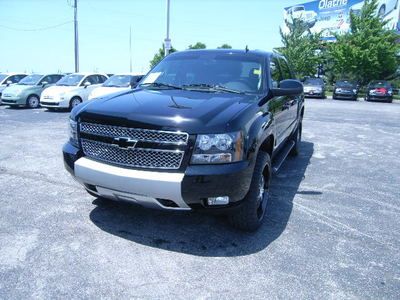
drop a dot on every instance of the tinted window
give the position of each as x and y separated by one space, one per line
92 79
345 83
47 79
378 84
276 75
102 78
286 73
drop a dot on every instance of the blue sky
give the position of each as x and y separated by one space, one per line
104 30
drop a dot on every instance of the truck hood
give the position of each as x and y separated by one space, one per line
192 112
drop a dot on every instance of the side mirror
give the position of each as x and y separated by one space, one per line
288 87
9 82
44 83
86 84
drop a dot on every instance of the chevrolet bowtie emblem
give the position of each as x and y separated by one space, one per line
124 142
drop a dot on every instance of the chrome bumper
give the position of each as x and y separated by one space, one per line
141 187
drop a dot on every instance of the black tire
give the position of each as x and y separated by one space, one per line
250 215
296 137
74 102
33 101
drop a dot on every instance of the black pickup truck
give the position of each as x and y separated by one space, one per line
203 130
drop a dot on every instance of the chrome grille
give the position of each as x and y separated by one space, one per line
143 135
137 157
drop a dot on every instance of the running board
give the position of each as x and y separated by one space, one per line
280 158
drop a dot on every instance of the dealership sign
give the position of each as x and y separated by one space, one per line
333 16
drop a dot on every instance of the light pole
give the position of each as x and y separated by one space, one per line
167 41
76 36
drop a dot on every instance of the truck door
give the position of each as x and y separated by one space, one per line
292 104
279 106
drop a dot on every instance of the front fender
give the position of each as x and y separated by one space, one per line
261 129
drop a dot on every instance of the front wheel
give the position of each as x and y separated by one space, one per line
250 215
33 101
74 102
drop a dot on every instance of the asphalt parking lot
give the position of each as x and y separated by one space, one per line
332 230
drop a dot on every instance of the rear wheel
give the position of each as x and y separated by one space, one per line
33 101
250 215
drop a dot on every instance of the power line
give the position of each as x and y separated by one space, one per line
36 29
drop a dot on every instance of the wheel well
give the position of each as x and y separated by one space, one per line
268 145
32 95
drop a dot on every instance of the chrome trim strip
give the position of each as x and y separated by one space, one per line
186 135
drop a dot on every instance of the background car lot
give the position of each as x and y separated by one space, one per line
331 229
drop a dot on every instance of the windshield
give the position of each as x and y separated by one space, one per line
208 71
345 84
70 80
298 8
2 77
379 84
314 81
30 80
118 81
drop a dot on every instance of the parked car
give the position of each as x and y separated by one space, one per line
72 90
345 89
7 79
28 90
379 90
299 12
314 87
205 129
116 83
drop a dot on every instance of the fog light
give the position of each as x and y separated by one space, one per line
218 201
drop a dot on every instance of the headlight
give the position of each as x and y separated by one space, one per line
73 132
218 148
390 92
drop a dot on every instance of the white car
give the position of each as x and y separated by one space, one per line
7 79
385 7
116 83
71 90
299 12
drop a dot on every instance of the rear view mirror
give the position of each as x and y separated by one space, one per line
9 82
86 84
288 87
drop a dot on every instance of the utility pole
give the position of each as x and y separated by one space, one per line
167 41
130 49
76 36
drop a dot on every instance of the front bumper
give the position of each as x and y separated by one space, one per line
174 191
314 94
345 95
13 100
383 98
50 103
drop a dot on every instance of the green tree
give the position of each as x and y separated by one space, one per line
225 46
301 48
159 56
198 45
368 51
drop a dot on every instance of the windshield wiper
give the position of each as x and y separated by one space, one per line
211 88
160 85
